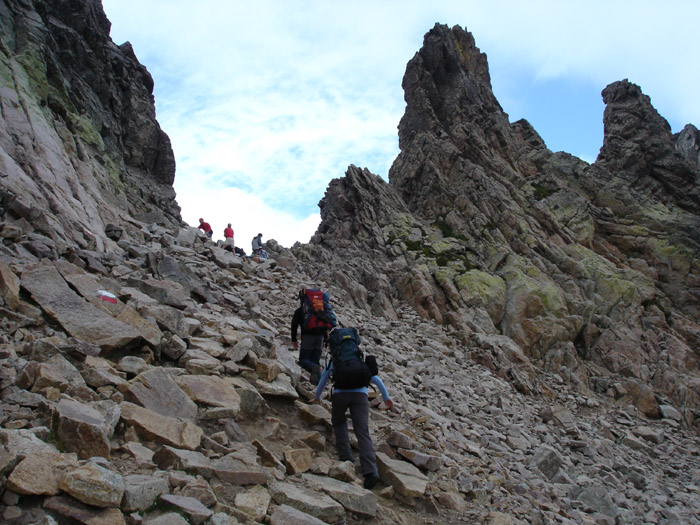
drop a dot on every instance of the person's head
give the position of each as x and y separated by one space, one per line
201 220
260 235
229 224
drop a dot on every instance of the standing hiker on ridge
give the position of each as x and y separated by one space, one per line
351 375
315 316
258 250
257 244
228 239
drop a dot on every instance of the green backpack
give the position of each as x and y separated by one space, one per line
349 367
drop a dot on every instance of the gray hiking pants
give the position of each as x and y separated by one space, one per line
358 403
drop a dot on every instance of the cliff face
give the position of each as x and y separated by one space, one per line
589 269
80 146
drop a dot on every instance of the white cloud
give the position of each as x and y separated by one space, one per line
599 41
275 98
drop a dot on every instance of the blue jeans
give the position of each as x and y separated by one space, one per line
310 351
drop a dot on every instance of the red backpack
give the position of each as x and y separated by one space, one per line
314 304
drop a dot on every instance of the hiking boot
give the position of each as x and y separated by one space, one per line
370 481
315 375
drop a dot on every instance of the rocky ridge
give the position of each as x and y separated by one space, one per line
533 316
590 270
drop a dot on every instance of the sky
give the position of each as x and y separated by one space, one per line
266 102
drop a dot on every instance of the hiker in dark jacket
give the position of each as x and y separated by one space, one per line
257 244
311 343
357 400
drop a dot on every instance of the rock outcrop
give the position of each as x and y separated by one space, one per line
534 317
80 147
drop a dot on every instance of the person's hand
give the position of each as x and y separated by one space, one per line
389 404
296 345
315 402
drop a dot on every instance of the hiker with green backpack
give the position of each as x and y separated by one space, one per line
351 374
316 318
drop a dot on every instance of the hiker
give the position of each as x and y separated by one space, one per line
206 228
357 400
315 316
257 244
228 239
258 250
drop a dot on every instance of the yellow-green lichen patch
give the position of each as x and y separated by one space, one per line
443 246
86 130
402 224
613 285
526 279
403 229
113 173
484 290
571 210
33 64
679 257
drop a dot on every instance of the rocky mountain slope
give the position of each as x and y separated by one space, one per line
534 316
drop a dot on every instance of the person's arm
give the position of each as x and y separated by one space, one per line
382 389
322 383
296 321
329 309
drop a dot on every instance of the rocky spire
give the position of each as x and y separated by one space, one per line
638 146
453 125
688 145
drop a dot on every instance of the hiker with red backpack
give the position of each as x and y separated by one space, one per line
315 316
352 374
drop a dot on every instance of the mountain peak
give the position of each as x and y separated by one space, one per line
446 84
638 145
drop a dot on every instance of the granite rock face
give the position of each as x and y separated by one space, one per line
80 147
534 317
